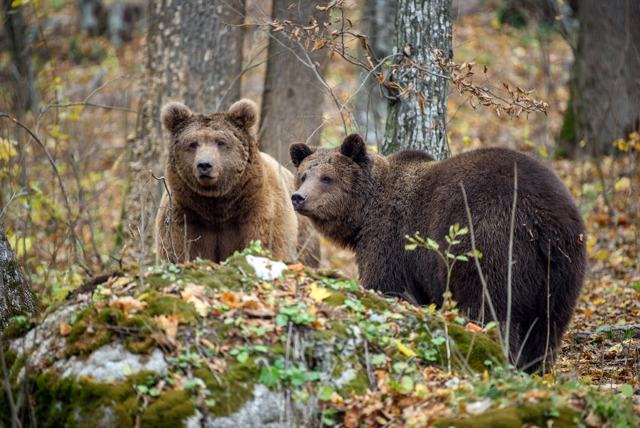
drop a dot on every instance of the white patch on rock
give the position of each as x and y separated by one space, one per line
265 409
266 269
44 342
113 362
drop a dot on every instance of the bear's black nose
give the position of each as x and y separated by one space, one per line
298 199
204 167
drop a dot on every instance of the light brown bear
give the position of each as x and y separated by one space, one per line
224 192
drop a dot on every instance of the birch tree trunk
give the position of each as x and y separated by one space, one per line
417 118
371 105
293 98
16 296
194 55
605 88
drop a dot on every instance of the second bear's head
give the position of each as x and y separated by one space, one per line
330 182
210 152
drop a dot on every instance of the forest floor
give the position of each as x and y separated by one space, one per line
602 346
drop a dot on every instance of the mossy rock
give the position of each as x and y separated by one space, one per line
515 417
303 340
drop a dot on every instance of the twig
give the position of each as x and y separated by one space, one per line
483 281
510 259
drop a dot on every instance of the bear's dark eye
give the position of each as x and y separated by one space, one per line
304 177
193 145
326 179
221 143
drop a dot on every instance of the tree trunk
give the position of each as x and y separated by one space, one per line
371 105
26 96
293 98
194 55
604 83
417 118
16 296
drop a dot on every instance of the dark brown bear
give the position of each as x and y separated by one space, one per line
225 192
369 203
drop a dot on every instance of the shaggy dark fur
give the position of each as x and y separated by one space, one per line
368 203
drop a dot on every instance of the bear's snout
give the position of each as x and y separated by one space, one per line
204 167
298 199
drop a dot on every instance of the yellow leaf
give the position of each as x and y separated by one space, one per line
404 349
7 149
623 184
318 293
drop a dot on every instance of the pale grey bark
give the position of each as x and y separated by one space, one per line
293 98
194 55
371 104
417 118
16 296
605 82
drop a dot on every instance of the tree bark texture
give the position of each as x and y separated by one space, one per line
18 38
605 84
16 296
293 98
371 104
417 118
193 55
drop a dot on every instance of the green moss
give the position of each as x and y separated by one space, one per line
162 304
482 348
358 385
17 326
335 298
111 316
170 410
232 389
373 301
516 417
224 278
68 402
87 333
156 281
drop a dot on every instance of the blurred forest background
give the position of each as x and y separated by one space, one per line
82 82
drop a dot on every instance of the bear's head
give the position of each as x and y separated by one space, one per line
210 152
331 183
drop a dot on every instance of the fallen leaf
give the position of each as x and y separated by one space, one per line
404 349
318 293
127 304
473 327
230 299
65 328
169 325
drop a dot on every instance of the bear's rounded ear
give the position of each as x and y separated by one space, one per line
298 153
243 113
354 147
173 114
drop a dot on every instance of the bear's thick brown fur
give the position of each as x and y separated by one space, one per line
369 203
224 192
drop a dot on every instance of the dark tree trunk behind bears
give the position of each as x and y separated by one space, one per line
293 96
193 54
371 105
605 88
17 36
16 296
417 119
